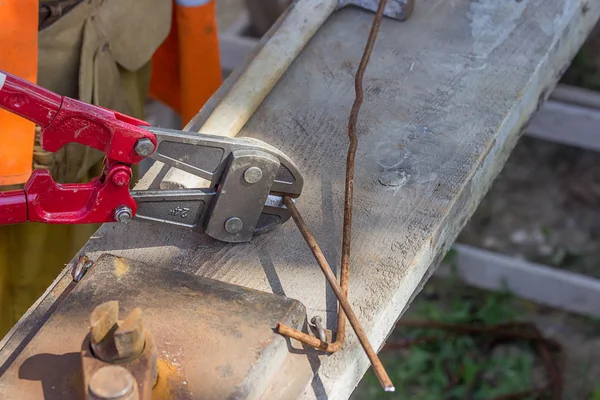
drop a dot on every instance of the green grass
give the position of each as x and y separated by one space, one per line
425 370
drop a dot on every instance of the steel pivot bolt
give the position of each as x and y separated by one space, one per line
123 214
120 178
113 383
234 225
252 175
144 147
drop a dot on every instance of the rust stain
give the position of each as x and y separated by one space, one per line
56 291
170 383
121 268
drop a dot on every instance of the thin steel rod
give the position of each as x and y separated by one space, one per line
349 189
303 337
332 280
341 290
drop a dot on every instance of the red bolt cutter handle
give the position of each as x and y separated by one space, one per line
13 207
44 200
64 120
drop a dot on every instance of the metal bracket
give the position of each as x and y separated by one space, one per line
242 195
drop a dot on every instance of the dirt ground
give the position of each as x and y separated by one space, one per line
444 300
543 207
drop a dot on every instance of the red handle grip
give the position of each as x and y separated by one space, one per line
28 100
64 120
13 207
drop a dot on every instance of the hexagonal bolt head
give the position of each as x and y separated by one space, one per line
144 147
114 340
113 383
123 214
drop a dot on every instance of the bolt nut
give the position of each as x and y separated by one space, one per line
123 214
129 336
113 383
253 175
234 225
120 178
144 147
114 340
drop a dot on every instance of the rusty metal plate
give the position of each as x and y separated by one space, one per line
215 340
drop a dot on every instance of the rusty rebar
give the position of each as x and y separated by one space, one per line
349 188
345 305
341 290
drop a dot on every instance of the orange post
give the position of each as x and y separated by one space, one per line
186 69
19 56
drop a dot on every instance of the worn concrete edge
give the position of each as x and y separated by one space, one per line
547 75
213 102
542 284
